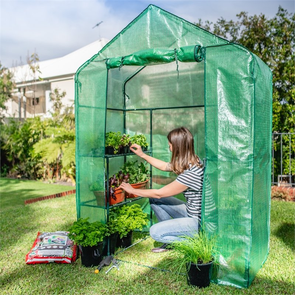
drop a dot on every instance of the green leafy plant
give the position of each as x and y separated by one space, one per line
117 140
86 233
96 186
125 140
139 139
137 172
126 218
113 139
198 249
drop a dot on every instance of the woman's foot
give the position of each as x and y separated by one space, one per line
163 248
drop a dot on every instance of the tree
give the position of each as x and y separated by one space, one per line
273 40
6 87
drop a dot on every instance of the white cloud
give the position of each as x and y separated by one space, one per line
57 27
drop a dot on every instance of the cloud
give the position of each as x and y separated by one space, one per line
54 28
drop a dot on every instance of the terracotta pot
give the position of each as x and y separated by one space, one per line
119 196
137 186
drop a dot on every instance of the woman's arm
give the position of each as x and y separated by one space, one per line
168 190
159 164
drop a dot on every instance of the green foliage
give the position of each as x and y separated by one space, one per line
138 172
96 186
118 140
125 140
273 40
126 218
6 87
139 139
113 139
199 249
17 141
86 233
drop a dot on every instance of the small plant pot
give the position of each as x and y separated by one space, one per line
112 240
199 275
118 197
91 256
137 186
100 198
109 150
125 241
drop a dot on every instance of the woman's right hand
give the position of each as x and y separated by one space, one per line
136 149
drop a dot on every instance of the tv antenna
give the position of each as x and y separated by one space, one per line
97 25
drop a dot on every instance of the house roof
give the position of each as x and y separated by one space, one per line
61 66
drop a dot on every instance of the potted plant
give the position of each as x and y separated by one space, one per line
124 220
89 236
125 143
138 175
112 142
197 253
141 140
116 194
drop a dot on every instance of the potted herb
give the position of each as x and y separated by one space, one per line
125 143
138 175
124 220
113 142
89 236
197 253
141 140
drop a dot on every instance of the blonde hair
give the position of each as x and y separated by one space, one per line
183 152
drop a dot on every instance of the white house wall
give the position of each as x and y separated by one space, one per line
56 73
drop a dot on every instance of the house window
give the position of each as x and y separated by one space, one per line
35 101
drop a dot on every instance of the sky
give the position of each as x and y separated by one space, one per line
54 28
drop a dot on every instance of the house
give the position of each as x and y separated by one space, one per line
32 94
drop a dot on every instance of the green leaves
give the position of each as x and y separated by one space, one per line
86 233
126 218
197 249
273 40
138 172
6 87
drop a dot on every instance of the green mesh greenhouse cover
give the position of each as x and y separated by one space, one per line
162 72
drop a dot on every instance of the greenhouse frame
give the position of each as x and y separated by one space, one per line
162 72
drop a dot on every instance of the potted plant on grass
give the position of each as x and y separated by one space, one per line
124 220
89 236
197 253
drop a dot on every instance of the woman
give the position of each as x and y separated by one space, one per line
176 218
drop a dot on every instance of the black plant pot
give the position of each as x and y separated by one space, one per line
112 240
91 256
125 241
109 150
199 275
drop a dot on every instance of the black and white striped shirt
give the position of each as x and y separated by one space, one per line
193 179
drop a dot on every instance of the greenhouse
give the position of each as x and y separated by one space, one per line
162 72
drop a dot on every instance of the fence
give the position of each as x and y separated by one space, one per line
283 159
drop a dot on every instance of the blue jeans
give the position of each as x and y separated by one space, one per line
173 220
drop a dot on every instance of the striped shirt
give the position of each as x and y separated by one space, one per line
193 179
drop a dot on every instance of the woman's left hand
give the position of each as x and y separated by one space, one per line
126 187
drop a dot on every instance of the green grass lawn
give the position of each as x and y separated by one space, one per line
20 224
